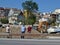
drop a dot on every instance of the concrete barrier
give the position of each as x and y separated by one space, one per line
32 36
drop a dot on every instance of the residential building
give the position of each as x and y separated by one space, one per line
2 12
57 13
6 10
13 15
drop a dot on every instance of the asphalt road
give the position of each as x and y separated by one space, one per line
29 42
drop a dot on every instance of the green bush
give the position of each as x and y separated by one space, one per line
51 21
4 20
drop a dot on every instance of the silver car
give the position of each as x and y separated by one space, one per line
53 30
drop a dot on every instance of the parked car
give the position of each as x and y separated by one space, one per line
3 25
16 23
53 30
0 24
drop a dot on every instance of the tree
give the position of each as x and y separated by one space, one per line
31 19
30 6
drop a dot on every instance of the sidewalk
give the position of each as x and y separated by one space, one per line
53 37
30 39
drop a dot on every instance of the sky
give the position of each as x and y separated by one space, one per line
44 5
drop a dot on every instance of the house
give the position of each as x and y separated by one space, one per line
57 13
13 15
4 12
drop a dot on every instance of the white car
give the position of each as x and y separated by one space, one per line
53 30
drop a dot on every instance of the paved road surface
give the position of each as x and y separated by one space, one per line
29 42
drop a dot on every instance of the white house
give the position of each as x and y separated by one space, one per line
13 15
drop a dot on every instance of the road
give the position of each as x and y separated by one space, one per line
29 42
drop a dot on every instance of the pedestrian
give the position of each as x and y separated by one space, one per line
29 29
23 29
8 30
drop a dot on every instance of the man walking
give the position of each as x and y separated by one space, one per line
23 29
29 29
8 31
